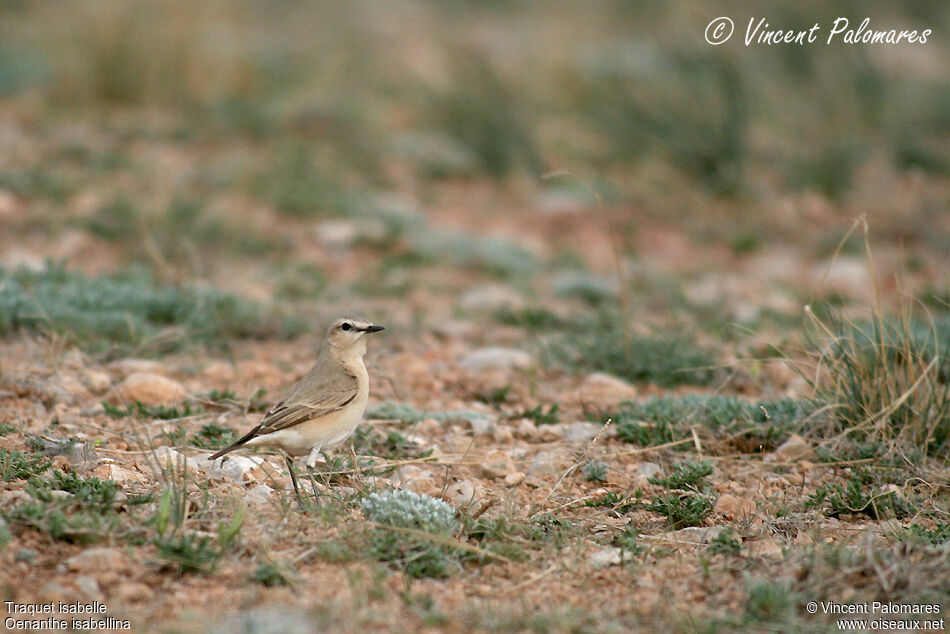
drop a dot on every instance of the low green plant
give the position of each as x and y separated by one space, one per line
495 396
540 416
550 529
296 185
687 475
629 541
725 543
858 496
391 444
492 255
224 397
682 510
611 498
500 535
651 113
56 519
188 552
480 112
87 513
412 532
93 493
936 536
602 345
128 309
595 471
272 574
211 436
885 381
531 318
15 465
667 419
143 411
180 547
768 601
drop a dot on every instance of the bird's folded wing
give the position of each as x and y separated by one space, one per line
318 400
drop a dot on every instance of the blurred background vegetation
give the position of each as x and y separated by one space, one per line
298 150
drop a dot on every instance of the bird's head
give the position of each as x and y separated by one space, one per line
348 334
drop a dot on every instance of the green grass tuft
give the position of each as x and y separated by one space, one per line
128 308
143 411
887 381
667 359
858 497
751 425
481 113
15 465
272 574
686 475
682 510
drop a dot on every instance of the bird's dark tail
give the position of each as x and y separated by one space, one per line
236 444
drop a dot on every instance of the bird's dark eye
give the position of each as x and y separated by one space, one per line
346 326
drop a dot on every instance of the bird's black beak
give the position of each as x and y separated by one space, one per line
373 329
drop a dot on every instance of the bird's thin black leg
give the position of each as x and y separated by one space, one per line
293 478
313 483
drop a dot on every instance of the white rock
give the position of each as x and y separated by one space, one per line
482 425
735 507
219 371
460 493
848 274
648 469
415 479
54 592
259 494
10 205
697 534
149 389
560 200
18 257
88 585
496 359
125 367
604 391
100 559
337 233
120 475
497 464
96 381
490 298
168 457
514 478
580 431
795 448
605 558
584 285
763 548
132 592
74 386
544 464
233 466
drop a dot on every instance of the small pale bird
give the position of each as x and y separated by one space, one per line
325 406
